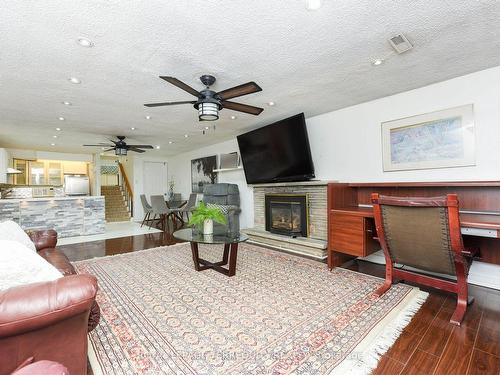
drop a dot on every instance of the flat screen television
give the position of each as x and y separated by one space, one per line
278 152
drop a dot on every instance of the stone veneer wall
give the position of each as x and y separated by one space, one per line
75 216
317 199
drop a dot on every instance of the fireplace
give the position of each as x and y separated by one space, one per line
287 214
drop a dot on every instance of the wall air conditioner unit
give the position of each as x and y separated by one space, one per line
400 43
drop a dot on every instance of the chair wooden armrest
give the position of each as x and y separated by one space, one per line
470 252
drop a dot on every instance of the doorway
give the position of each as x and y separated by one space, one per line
155 178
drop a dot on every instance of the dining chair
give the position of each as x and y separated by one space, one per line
147 208
188 207
424 233
160 208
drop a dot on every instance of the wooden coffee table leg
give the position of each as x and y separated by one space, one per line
225 257
196 257
232 259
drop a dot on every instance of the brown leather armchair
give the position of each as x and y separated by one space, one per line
48 320
45 243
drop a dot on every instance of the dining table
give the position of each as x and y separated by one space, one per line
176 205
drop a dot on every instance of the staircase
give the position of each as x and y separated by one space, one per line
115 204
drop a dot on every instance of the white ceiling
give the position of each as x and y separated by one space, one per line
310 61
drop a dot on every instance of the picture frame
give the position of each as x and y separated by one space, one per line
202 173
441 139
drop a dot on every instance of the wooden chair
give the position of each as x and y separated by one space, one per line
424 233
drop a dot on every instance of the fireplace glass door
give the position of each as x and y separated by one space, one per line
286 214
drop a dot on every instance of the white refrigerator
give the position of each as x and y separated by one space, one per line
76 185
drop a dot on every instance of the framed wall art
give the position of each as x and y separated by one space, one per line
439 139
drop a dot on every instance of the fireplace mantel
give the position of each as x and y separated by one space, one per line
284 184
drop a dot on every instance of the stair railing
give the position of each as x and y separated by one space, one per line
124 183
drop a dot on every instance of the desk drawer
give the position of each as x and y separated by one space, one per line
347 234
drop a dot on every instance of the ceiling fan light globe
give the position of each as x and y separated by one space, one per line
120 151
208 111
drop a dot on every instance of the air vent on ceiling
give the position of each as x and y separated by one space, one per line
400 43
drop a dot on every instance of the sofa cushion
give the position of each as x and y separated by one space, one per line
19 265
10 230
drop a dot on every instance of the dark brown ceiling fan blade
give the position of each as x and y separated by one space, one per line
242 107
181 85
240 90
100 145
136 150
168 103
140 146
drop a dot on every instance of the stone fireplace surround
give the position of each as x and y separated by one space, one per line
315 244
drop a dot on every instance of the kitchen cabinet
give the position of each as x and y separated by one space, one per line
21 178
46 172
54 173
75 167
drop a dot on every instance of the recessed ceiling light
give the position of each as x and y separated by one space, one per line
58 129
313 4
186 135
206 128
132 128
170 142
66 103
233 117
52 144
270 103
74 80
148 117
157 147
84 42
61 118
377 62
54 136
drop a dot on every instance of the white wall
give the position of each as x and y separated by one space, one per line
4 164
180 172
49 155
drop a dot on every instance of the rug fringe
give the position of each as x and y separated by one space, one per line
371 355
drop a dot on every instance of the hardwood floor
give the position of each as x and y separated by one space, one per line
428 345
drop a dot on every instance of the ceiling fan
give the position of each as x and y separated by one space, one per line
209 102
121 147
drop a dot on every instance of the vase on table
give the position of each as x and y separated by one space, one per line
208 226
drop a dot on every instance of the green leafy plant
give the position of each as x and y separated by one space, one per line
202 213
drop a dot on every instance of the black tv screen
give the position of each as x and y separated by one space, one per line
277 152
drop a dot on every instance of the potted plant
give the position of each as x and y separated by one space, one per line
205 216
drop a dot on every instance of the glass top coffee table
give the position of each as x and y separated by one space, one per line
230 243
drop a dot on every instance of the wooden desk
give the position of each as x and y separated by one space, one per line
351 227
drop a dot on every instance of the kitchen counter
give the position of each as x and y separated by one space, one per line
69 216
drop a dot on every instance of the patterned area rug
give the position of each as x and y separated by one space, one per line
280 314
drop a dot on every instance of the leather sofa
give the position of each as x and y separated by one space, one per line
48 320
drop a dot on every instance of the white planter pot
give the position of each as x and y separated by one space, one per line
208 227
